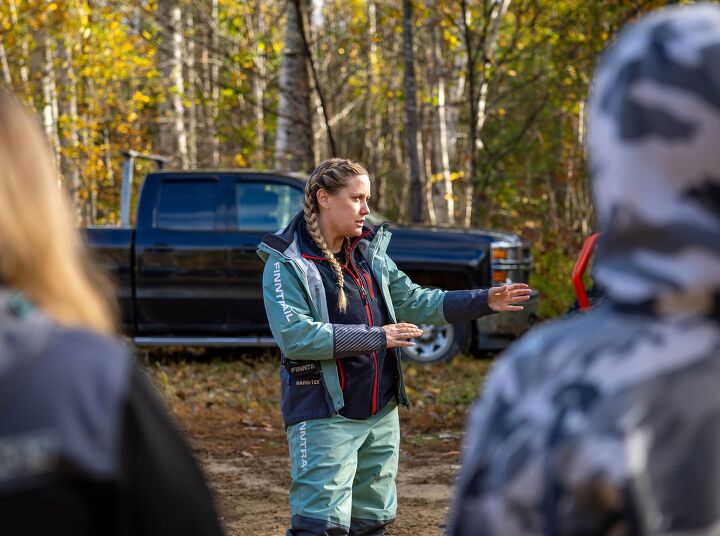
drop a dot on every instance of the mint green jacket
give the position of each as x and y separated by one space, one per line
297 311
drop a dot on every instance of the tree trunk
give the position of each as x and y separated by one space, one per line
7 77
471 154
374 142
179 93
89 208
308 32
172 136
50 103
215 85
441 118
166 137
417 210
426 168
259 85
192 90
293 143
24 59
74 164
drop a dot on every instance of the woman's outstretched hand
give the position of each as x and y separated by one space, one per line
504 298
398 334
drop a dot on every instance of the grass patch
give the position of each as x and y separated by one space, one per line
441 394
245 388
219 392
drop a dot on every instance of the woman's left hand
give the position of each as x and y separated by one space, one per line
504 298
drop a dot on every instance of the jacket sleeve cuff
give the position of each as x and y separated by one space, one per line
462 305
357 339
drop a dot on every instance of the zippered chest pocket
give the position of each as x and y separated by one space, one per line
368 280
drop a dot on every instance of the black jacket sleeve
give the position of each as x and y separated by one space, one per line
462 305
164 490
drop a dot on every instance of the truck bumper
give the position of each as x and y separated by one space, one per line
495 332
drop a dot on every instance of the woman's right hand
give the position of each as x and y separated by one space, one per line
398 334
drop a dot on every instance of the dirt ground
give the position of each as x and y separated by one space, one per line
251 482
229 409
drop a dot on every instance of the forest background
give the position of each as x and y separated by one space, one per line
466 112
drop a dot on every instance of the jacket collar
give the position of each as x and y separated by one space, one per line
24 329
294 241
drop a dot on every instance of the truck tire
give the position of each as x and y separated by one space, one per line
439 343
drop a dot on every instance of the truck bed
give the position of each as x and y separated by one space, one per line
113 249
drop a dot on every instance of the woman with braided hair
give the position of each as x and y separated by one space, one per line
333 299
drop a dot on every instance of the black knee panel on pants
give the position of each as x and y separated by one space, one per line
368 527
307 526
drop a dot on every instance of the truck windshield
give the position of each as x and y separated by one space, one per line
262 206
265 206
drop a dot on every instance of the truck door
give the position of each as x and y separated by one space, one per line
260 205
182 258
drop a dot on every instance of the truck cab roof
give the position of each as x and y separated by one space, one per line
180 173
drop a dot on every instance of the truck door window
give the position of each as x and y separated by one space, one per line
187 205
265 206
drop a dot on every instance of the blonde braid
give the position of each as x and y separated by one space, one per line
346 247
310 209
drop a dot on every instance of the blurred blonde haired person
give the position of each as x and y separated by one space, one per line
42 254
85 446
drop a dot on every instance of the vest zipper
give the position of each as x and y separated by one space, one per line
338 362
363 294
368 312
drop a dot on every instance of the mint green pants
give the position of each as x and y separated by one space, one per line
343 474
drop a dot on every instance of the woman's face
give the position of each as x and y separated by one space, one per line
344 212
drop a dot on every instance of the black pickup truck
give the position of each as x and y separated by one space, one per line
188 274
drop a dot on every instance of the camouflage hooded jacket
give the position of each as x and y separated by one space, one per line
609 422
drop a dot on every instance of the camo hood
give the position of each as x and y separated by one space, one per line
654 150
608 422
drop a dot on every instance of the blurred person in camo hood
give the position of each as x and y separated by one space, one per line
609 422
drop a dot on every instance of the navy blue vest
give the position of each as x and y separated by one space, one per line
368 381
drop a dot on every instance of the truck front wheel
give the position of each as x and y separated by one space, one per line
439 343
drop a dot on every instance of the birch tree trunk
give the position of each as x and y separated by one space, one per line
426 167
50 103
74 141
24 59
109 174
7 77
192 90
294 140
172 136
89 209
179 93
441 118
578 207
417 211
